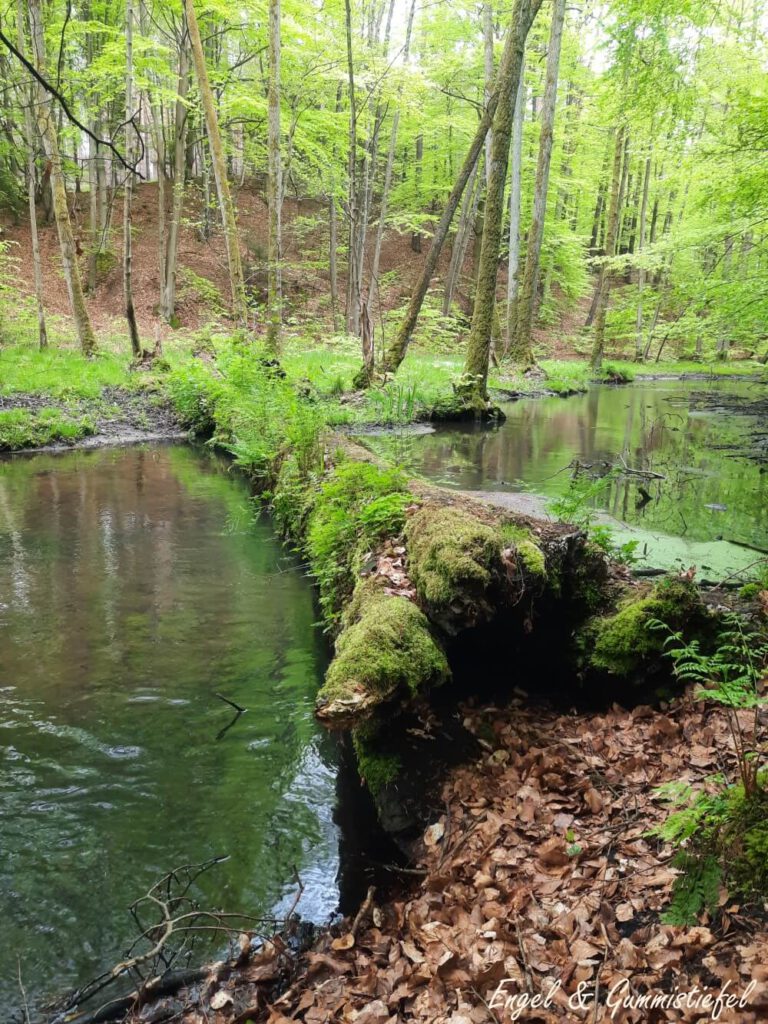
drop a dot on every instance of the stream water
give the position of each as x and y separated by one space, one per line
703 502
136 584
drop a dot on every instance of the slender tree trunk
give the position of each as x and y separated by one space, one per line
641 268
508 78
416 235
47 127
488 69
603 288
274 187
29 142
390 165
515 205
469 206
521 349
228 217
474 388
130 130
353 275
333 244
181 120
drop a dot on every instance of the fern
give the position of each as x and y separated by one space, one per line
696 889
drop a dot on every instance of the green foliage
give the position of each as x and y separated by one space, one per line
24 428
354 508
721 831
58 372
695 890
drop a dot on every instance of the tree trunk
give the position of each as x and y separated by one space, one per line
474 388
29 142
416 235
47 128
227 207
353 273
390 165
508 78
274 187
515 203
603 288
641 268
467 217
488 69
130 130
521 349
181 120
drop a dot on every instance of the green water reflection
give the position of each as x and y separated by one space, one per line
134 584
663 426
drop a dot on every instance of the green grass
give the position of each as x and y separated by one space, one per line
22 428
59 372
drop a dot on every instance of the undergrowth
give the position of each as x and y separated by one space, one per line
720 831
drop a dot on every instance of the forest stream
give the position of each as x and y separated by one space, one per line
693 446
135 586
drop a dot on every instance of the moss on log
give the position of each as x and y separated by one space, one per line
386 647
620 643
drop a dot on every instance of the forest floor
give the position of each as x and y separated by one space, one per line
538 879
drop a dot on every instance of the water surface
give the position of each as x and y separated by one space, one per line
703 492
134 585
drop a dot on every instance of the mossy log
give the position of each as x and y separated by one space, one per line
386 647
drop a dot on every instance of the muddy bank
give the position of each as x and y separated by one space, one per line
120 416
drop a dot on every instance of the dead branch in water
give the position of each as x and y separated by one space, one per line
168 920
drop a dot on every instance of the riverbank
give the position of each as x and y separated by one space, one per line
536 879
423 589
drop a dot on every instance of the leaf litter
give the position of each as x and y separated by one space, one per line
539 875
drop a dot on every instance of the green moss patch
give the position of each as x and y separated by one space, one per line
620 643
389 648
25 428
455 564
377 767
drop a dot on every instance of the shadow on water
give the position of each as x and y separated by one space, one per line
135 585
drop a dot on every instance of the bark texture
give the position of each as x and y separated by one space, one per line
47 128
228 218
473 390
509 70
521 349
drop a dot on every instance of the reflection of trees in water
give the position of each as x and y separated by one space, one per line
649 426
140 603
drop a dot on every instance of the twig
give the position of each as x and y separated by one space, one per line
231 703
23 991
363 911
523 957
64 105
299 893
